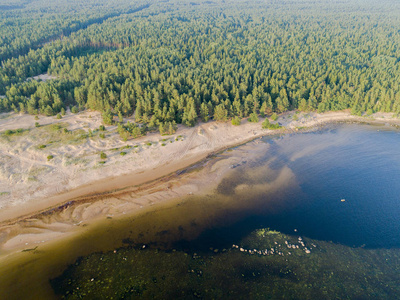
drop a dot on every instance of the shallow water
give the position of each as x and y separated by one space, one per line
295 188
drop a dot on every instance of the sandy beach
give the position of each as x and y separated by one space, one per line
76 187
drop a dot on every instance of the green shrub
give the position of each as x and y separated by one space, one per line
123 153
107 117
236 121
103 155
267 125
274 117
253 118
50 157
55 127
37 124
11 132
42 146
356 111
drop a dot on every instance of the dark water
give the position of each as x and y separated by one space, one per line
295 189
360 164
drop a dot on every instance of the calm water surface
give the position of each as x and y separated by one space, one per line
359 164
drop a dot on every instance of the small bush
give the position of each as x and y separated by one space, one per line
267 125
148 144
50 157
274 117
103 155
356 111
59 116
11 132
236 121
123 153
37 124
74 110
42 146
102 135
253 118
102 128
163 144
55 127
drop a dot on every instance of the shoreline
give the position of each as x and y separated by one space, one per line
83 214
107 188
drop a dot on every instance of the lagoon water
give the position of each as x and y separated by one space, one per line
316 216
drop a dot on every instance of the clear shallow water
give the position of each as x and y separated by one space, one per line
297 184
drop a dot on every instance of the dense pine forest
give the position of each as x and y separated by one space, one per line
180 62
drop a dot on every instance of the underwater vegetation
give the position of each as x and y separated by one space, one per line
265 264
